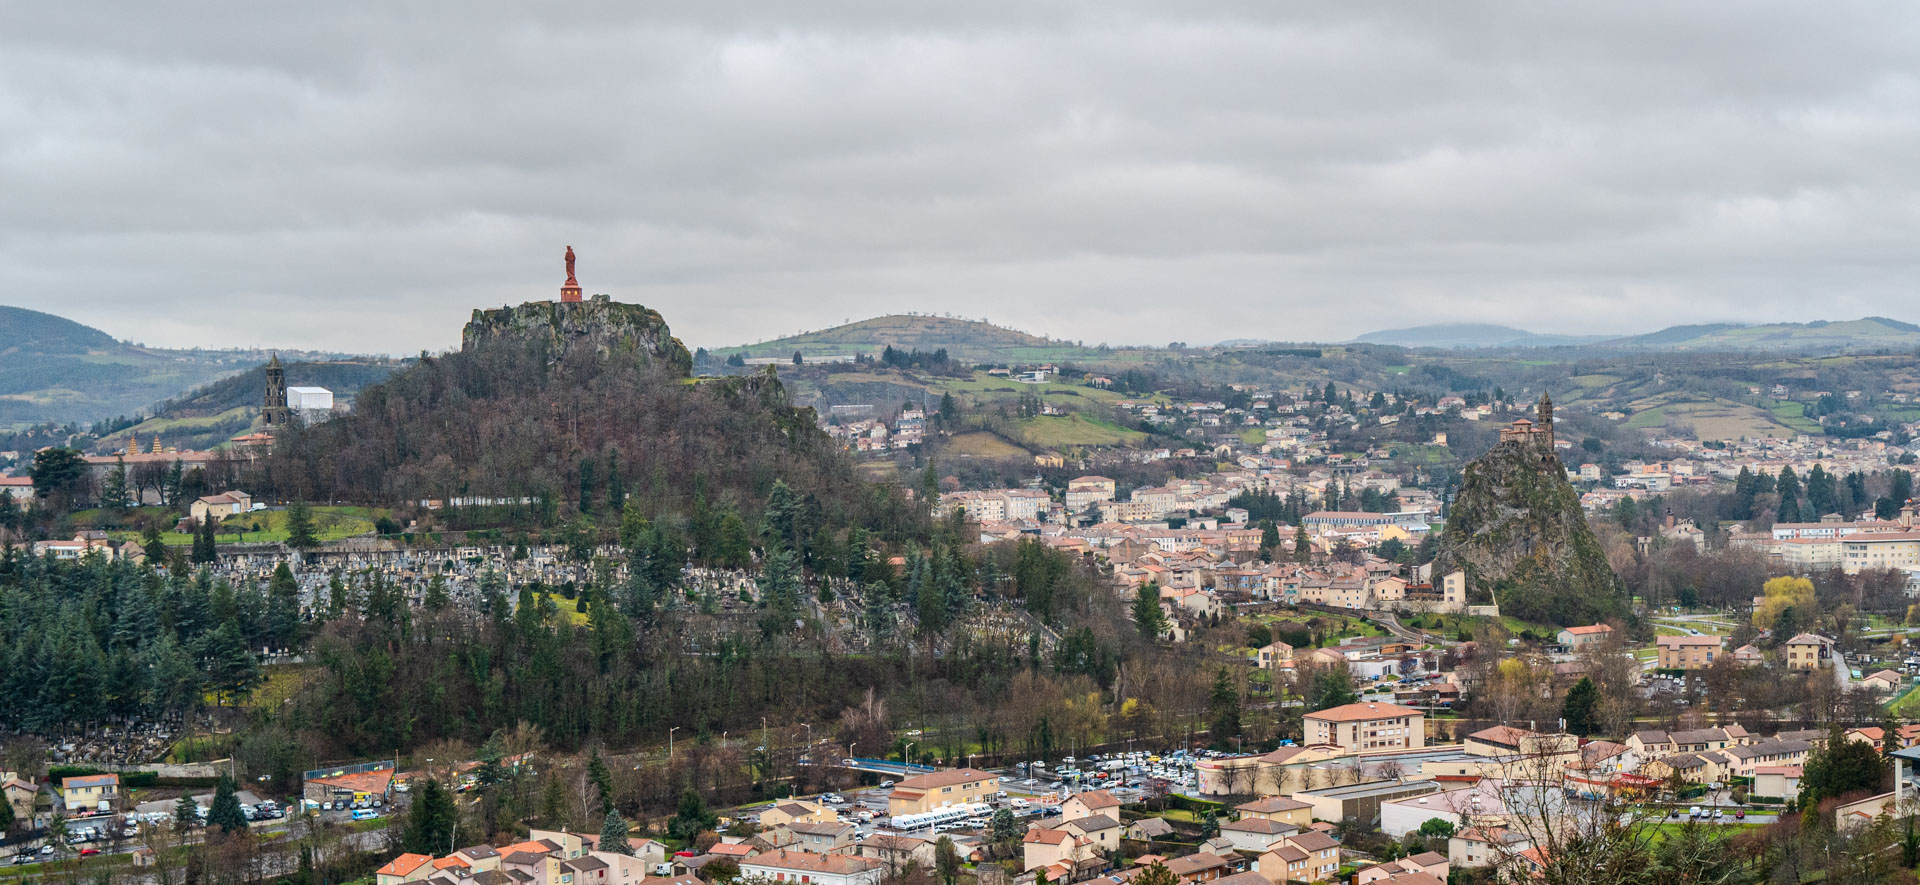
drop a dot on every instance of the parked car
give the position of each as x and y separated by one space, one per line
89 852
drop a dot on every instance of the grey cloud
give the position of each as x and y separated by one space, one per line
214 173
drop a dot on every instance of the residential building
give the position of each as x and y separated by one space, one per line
795 811
218 507
1579 639
1687 652
1367 726
1807 651
926 792
1278 809
814 869
93 794
405 868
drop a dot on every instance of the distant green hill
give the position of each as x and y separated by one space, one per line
1468 335
1867 333
966 340
54 369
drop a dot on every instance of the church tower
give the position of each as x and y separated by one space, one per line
273 412
1546 414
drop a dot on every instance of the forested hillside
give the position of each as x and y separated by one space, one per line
54 369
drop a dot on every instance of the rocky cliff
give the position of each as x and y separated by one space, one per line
609 328
1517 529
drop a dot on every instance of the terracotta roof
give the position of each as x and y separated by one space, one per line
1313 840
1099 799
1590 630
1272 805
837 864
937 779
1363 712
404 865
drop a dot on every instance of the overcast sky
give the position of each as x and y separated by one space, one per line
293 175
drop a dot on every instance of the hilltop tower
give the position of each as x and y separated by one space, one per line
1534 434
273 412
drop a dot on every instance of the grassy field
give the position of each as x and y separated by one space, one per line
1057 431
1253 436
984 446
329 524
1712 419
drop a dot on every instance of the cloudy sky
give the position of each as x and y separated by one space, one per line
207 173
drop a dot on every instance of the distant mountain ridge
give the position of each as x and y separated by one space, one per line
968 340
1469 335
1865 333
54 369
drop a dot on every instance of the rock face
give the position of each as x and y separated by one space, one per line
607 327
1517 530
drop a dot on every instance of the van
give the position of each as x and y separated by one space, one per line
1018 802
365 814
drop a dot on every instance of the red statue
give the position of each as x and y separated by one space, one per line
570 291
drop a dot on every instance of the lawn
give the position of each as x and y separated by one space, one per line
270 526
1056 431
1253 436
984 446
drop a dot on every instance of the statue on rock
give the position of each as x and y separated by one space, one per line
570 292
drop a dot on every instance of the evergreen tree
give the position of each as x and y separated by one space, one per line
613 835
113 493
1578 710
1302 546
1842 766
692 818
602 779
553 804
151 545
300 526
616 485
1269 539
436 596
204 550
283 608
1147 616
1223 706
186 815
6 817
225 812
431 821
586 486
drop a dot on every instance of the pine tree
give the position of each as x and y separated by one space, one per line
436 596
225 812
185 816
1578 710
1223 705
113 493
431 821
1147 616
602 780
300 526
204 550
613 835
1302 546
616 486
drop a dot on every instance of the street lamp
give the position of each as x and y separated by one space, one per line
906 755
670 732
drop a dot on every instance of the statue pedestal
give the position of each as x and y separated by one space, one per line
570 292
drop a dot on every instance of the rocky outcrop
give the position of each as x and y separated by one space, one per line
607 327
1516 528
